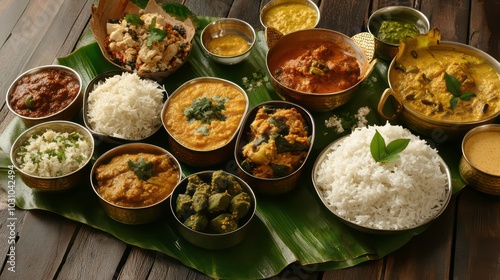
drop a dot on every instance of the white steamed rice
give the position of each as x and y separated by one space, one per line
125 106
53 154
390 195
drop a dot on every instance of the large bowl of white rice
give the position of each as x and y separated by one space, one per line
382 197
121 107
53 156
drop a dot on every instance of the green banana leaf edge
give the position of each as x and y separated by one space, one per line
293 228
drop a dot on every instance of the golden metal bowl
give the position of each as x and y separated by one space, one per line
104 137
317 101
59 183
202 158
65 114
213 241
228 26
319 190
387 51
472 175
271 186
441 130
133 215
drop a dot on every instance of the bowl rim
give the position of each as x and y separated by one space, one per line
32 131
282 105
457 47
247 188
388 10
322 156
492 127
355 47
195 81
36 70
91 86
273 3
103 159
235 20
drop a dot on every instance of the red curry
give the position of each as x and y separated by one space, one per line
44 93
317 68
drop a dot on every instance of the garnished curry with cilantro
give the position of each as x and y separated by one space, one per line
137 180
205 115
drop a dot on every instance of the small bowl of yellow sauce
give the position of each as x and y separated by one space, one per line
287 16
480 162
228 40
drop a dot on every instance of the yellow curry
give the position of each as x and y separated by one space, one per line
120 182
206 115
420 80
289 17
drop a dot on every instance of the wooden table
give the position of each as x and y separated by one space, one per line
463 244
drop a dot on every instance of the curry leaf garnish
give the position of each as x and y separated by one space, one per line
134 19
453 86
142 169
155 34
382 153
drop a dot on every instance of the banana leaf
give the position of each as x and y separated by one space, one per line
295 227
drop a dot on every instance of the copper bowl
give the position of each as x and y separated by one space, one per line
271 186
64 114
213 241
133 215
317 101
472 174
58 183
227 26
194 157
385 50
441 130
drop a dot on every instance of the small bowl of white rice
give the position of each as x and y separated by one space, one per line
121 107
53 156
382 197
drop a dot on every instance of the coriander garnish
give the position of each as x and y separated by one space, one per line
155 34
382 153
142 169
134 19
453 86
206 110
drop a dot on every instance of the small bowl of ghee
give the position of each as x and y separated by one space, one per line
480 162
228 40
287 16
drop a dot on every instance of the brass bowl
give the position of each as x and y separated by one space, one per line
105 137
223 27
202 158
442 130
317 101
388 51
213 241
371 230
65 114
271 186
274 3
475 177
133 215
58 183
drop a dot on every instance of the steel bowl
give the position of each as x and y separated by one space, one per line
317 101
441 130
105 137
58 183
228 26
213 241
201 158
133 215
64 114
371 230
385 50
271 186
272 4
473 175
